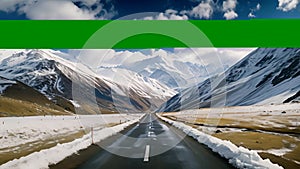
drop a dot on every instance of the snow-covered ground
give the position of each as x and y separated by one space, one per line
277 115
240 157
44 158
15 131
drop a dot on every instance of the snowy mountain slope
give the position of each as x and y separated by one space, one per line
5 53
136 82
173 73
172 69
39 70
264 76
148 93
47 72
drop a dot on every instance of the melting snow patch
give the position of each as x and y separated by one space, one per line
277 152
239 157
75 104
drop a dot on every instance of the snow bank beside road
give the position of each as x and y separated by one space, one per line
44 158
240 157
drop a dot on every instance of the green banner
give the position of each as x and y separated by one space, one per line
149 34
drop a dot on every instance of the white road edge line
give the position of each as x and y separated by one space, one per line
147 153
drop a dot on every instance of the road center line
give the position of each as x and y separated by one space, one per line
147 153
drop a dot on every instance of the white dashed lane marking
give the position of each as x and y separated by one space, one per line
147 153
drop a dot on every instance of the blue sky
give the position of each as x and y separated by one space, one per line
164 9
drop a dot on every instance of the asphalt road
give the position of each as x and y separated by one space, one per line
151 144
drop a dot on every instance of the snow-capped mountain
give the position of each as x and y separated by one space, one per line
264 76
49 73
37 69
173 73
136 82
173 69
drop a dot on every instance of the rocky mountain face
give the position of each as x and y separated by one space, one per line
265 76
70 84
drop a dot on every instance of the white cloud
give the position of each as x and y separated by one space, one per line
169 14
11 5
230 15
287 5
229 7
106 57
203 10
252 11
215 60
63 10
205 56
56 9
171 11
251 15
258 6
213 56
230 56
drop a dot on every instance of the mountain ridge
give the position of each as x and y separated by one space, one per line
265 76
56 78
